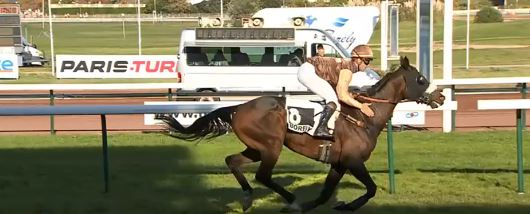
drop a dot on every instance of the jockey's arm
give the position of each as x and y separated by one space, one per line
342 89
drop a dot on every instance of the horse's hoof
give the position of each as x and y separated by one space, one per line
341 206
292 208
246 203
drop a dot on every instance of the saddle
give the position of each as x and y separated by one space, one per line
303 115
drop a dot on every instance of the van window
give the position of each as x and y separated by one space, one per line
329 51
244 56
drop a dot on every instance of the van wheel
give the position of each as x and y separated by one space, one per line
208 98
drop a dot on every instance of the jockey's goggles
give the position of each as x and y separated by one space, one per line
365 60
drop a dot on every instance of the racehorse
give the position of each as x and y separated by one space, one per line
261 125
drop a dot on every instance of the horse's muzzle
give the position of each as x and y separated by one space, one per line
434 99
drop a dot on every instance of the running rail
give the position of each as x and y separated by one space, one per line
178 107
103 110
520 105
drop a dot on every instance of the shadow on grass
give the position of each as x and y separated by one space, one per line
151 179
155 179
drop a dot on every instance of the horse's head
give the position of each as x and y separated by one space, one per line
417 87
413 85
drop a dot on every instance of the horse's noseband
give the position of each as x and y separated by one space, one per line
425 99
428 99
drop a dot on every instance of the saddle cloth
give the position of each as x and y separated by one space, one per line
303 115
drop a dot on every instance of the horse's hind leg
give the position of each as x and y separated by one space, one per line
264 176
332 180
234 162
361 173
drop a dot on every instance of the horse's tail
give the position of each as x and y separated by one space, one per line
213 124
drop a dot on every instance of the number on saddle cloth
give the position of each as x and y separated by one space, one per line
303 115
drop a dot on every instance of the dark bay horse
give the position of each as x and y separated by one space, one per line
261 124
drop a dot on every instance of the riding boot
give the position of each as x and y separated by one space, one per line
322 129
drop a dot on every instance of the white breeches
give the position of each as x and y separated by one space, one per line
308 77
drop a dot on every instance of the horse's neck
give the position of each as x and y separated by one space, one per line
383 111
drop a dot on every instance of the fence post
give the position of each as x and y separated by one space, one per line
453 112
520 175
524 90
169 94
390 152
105 151
52 118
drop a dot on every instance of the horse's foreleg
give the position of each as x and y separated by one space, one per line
361 173
332 180
234 162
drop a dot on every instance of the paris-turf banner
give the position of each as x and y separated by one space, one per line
117 66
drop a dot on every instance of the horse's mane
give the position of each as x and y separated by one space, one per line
355 112
379 84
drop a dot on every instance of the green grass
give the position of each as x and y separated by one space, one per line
470 172
164 38
506 33
107 38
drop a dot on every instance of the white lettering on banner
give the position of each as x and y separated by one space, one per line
184 119
117 66
8 66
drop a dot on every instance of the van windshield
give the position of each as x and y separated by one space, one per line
244 56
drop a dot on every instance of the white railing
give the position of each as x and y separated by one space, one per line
520 105
450 84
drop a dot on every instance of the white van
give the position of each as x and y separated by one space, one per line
262 54
350 26
263 58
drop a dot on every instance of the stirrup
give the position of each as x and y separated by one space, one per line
324 135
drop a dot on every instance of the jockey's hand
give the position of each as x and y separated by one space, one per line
365 108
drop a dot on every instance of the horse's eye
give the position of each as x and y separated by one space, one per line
421 80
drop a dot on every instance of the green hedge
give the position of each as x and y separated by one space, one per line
488 15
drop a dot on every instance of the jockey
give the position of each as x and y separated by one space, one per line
326 75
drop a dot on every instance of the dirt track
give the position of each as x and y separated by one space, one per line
467 117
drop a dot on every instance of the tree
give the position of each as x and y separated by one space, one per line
296 3
178 6
338 3
242 8
271 3
210 6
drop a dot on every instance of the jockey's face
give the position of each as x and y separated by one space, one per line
361 62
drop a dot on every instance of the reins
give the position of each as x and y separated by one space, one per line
373 100
359 123
376 100
352 119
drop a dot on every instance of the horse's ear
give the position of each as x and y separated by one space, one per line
404 62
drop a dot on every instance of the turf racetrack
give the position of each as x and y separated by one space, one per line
472 172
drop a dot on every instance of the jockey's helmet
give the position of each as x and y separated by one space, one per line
362 51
